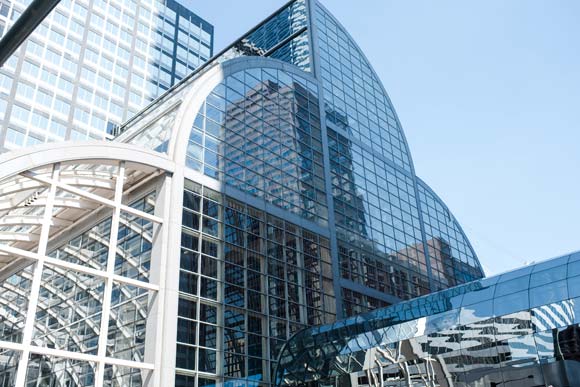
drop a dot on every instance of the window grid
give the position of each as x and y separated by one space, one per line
115 80
69 305
355 100
452 259
259 131
263 279
378 228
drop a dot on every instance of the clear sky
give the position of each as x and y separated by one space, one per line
488 93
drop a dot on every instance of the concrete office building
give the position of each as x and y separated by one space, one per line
269 191
91 65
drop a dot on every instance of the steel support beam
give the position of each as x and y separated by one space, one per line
31 18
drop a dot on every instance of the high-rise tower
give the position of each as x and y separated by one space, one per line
91 65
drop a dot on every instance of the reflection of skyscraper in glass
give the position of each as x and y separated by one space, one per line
92 65
282 195
272 146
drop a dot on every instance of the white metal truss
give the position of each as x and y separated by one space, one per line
41 206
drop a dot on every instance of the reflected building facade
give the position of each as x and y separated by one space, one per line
517 329
269 191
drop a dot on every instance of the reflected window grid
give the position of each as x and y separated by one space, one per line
452 259
259 131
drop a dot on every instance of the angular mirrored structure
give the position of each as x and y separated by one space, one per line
269 191
517 329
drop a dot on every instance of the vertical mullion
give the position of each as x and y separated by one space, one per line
199 258
159 266
37 278
221 280
106 306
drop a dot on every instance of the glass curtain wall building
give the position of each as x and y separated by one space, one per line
518 329
91 65
269 191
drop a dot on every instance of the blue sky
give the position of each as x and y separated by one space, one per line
488 94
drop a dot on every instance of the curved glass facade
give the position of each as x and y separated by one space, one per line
259 131
284 197
518 329
452 258
395 238
355 100
340 170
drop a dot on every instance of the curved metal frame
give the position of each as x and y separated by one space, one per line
47 189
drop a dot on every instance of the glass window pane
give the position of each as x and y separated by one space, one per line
512 286
546 294
511 303
574 287
476 312
548 276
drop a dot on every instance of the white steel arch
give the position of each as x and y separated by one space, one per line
46 192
